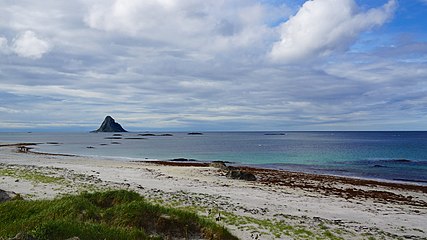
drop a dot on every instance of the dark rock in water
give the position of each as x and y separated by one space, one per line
194 133
113 138
110 125
379 166
165 135
241 175
182 160
155 135
401 161
147 134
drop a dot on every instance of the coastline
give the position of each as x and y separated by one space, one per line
194 162
377 156
311 204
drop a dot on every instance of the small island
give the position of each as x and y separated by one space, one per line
110 125
194 133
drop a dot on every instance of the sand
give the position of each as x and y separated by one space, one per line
279 205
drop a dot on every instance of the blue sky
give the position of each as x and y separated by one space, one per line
213 65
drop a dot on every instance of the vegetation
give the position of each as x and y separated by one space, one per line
116 214
33 176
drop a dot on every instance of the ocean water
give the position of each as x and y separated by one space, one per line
398 156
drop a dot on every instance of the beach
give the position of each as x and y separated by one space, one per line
277 205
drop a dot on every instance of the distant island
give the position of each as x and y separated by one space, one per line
110 125
194 133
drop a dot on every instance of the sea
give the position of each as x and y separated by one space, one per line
388 156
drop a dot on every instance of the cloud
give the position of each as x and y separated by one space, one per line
4 48
323 27
201 64
208 25
29 45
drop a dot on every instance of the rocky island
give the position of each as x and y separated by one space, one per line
110 125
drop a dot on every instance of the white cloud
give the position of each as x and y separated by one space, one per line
201 64
202 25
322 27
150 18
3 45
29 45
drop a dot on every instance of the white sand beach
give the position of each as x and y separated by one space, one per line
250 209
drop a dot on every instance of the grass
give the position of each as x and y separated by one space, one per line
276 228
31 175
115 214
126 215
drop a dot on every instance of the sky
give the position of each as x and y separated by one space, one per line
213 65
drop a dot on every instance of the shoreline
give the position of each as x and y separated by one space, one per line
361 180
278 205
353 180
290 179
188 162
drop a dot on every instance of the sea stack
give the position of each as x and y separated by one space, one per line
110 125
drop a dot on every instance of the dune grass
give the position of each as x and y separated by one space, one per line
115 214
31 175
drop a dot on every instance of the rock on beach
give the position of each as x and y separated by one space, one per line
6 196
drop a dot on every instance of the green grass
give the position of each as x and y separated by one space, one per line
277 228
31 175
116 214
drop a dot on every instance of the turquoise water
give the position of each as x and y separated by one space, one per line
382 155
